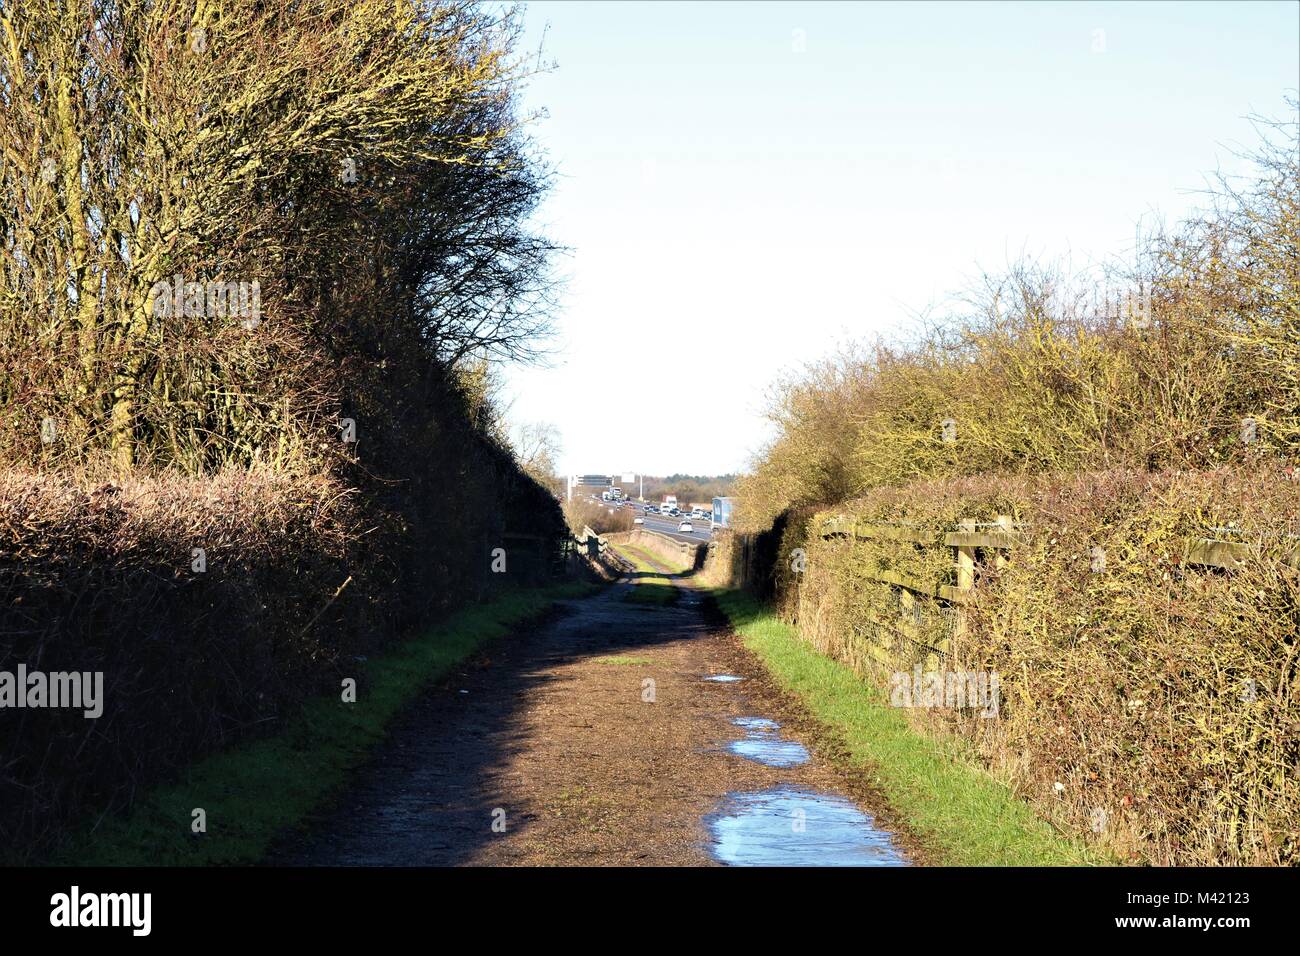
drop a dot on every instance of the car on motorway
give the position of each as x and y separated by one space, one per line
686 526
638 520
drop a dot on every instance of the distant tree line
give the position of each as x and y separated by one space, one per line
701 488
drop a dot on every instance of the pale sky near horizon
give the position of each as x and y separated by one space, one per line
767 180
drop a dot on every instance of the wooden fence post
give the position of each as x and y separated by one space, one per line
966 557
1000 555
965 577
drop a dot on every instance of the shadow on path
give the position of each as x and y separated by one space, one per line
605 736
427 797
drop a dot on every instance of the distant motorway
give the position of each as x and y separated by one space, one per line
667 526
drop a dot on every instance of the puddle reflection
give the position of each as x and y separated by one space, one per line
764 745
789 826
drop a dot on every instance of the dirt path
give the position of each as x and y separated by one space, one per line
557 736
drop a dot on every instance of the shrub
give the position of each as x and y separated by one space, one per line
99 577
1047 371
1157 692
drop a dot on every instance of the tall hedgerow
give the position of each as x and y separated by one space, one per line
1189 360
218 220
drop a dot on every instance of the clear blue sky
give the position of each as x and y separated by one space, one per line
764 193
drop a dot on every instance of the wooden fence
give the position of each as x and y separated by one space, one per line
974 545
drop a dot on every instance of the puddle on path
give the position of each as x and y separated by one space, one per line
791 826
765 745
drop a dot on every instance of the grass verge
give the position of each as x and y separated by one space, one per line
966 816
653 584
254 791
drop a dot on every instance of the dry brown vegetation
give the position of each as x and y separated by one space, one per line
329 436
1158 692
1047 371
599 517
1149 694
100 577
360 161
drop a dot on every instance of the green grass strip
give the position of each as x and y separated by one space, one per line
653 586
964 814
255 790
648 560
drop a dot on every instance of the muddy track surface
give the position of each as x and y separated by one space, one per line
597 738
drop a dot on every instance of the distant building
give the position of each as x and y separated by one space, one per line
589 484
